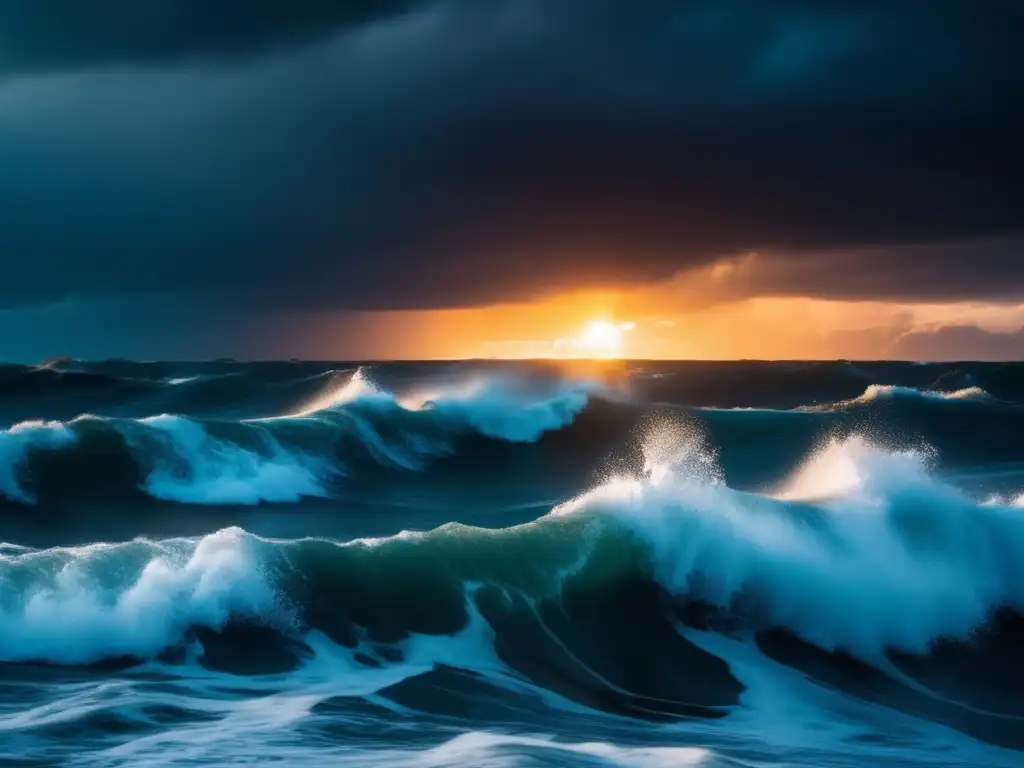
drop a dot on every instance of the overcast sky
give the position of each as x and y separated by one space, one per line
177 173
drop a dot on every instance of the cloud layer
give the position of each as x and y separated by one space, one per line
64 34
437 153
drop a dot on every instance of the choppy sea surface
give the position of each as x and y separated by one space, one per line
512 564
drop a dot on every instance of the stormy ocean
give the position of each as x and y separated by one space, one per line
488 564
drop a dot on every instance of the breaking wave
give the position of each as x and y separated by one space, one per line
353 429
278 459
887 392
801 563
862 561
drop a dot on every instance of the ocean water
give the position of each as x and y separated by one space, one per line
511 564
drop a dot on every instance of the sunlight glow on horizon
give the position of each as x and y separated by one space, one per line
603 339
656 322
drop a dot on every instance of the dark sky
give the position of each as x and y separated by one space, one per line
406 154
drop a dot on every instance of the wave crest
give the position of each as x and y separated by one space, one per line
887 556
283 459
500 407
876 393
130 599
890 571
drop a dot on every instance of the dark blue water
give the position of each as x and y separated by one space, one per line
490 564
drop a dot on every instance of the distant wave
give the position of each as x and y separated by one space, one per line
227 388
282 459
348 426
493 406
881 391
188 465
20 381
885 392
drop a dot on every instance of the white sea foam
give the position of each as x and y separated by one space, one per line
491 750
357 387
184 462
492 405
888 556
885 556
492 408
197 468
99 601
878 392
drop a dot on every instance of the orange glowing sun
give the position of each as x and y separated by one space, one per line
603 339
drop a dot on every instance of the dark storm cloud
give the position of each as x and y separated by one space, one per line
984 269
47 35
960 342
392 155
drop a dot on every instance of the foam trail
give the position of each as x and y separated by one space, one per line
999 500
487 749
